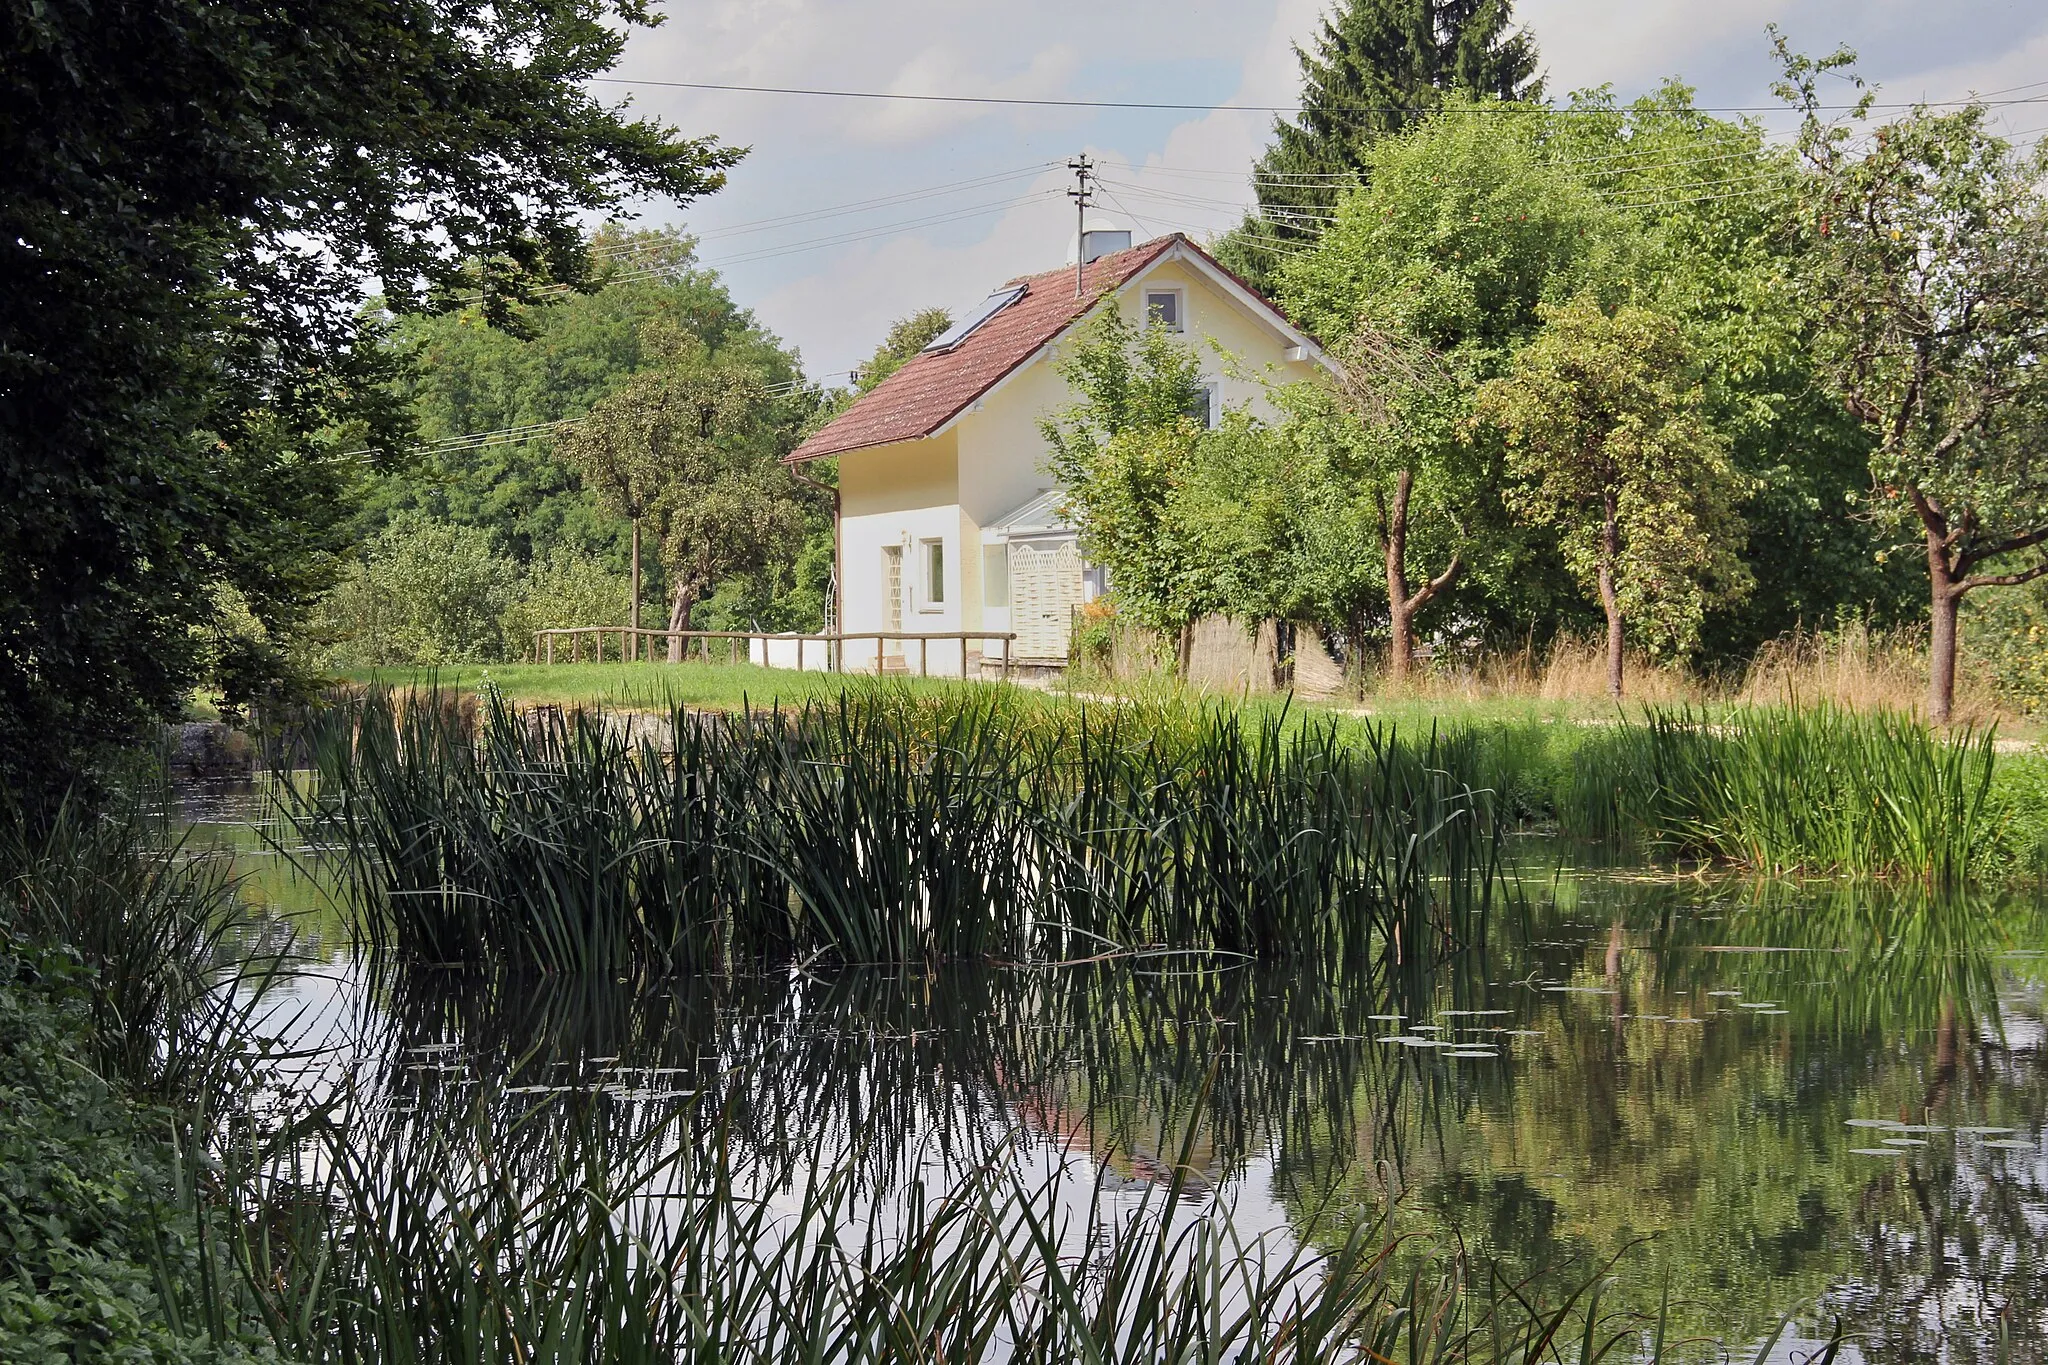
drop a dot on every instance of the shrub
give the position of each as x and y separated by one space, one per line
425 593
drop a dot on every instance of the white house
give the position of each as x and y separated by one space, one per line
948 519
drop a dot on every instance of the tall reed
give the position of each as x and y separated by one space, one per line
156 933
878 829
1815 788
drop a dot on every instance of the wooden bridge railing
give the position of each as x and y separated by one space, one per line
630 642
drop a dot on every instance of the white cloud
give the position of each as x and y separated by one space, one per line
1164 172
1196 181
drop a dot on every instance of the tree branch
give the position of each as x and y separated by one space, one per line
2006 580
1428 591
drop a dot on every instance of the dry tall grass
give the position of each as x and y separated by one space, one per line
1854 666
1567 669
1859 668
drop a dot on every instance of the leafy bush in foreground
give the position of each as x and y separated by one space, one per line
96 1248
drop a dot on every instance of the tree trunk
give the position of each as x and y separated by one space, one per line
1610 600
1401 604
1400 615
1944 609
679 609
633 604
1184 649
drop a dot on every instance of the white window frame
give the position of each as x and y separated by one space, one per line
932 576
1213 409
1180 305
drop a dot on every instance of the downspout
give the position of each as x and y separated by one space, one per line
838 621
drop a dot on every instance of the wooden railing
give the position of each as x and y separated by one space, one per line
834 644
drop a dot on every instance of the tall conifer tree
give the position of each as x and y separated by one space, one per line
1377 66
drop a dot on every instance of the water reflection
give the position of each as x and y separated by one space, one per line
1688 1076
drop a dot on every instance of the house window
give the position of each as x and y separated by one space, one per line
1163 308
934 573
995 576
1202 406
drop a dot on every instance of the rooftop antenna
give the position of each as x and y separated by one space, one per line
1083 169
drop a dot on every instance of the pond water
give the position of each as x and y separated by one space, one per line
1827 1102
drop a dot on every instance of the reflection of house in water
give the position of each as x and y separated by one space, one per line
1120 1162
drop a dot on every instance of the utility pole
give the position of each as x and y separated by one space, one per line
1083 170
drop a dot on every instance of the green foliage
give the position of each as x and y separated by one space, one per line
429 594
1122 452
189 201
89 1230
1705 204
559 590
1426 282
907 336
426 592
1377 68
1472 219
1606 434
125 986
692 450
1930 273
2005 634
1464 229
566 353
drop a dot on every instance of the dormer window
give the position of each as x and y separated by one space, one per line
1163 309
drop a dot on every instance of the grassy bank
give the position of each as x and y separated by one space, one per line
637 686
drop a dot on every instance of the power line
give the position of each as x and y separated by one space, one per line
771 252
533 431
1018 101
884 201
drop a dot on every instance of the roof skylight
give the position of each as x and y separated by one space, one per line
983 311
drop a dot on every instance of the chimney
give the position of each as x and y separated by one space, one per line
1098 239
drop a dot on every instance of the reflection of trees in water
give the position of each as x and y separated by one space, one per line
1725 1140
1729 1141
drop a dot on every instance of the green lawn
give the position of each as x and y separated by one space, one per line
648 686
652 686
656 686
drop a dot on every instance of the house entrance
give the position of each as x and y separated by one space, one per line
892 598
1045 588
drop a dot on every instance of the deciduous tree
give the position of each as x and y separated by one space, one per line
1122 453
1931 256
907 336
1607 438
695 450
191 197
1424 285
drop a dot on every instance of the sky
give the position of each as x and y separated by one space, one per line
849 213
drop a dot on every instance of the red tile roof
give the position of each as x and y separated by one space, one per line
930 390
